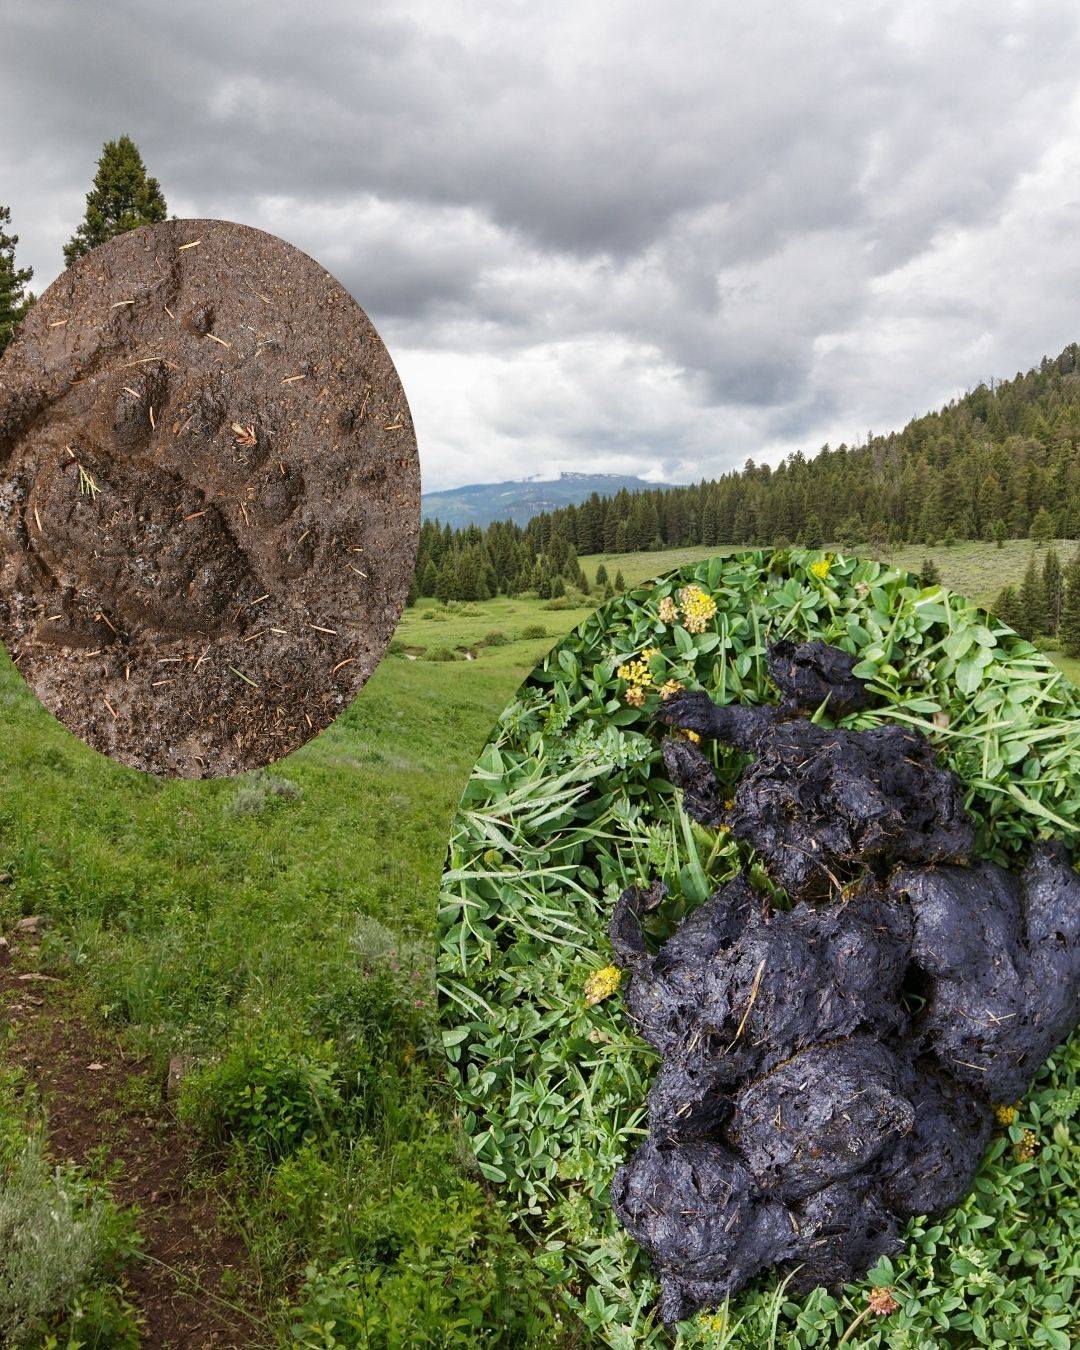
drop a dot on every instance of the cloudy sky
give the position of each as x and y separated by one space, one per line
604 236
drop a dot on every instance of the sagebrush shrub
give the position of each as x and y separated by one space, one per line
50 1242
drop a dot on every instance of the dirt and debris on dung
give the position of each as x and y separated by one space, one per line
105 1108
829 1071
209 498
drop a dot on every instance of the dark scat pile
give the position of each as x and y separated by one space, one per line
209 498
818 802
800 1114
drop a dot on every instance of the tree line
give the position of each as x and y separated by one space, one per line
1046 603
1000 462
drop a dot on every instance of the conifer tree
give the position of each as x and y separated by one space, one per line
1053 583
620 583
813 534
930 573
1032 602
123 198
601 576
1007 608
1000 533
444 589
1070 610
1042 527
15 300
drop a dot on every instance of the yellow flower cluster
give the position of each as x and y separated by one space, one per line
694 607
820 569
601 984
638 676
669 688
636 671
697 608
1027 1147
1004 1115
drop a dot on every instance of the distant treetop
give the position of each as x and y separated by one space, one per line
123 198
15 300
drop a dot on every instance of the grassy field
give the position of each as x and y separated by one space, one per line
278 928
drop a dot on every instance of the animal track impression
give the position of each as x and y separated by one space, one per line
209 498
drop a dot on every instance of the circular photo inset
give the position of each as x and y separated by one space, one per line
760 955
209 498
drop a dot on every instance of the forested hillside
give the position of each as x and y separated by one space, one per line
1000 462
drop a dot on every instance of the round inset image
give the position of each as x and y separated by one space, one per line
209 498
759 937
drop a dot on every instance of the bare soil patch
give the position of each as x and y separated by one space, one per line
192 1283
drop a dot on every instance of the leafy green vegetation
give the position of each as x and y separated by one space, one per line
568 804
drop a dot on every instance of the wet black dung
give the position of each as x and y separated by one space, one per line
805 1107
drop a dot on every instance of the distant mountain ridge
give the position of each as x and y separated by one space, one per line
520 500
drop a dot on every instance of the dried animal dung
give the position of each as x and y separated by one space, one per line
209 498
828 1071
800 1115
696 1208
689 769
1000 955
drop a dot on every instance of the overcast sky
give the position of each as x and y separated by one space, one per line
604 236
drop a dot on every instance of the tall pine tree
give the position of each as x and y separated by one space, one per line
1032 602
15 300
123 198
1070 609
1042 527
1007 608
1053 591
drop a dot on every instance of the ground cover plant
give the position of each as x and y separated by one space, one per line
63 1243
570 804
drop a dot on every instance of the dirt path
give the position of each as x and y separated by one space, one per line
190 1287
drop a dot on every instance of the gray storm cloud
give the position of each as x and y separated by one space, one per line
606 236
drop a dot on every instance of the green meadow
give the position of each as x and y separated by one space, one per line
278 929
